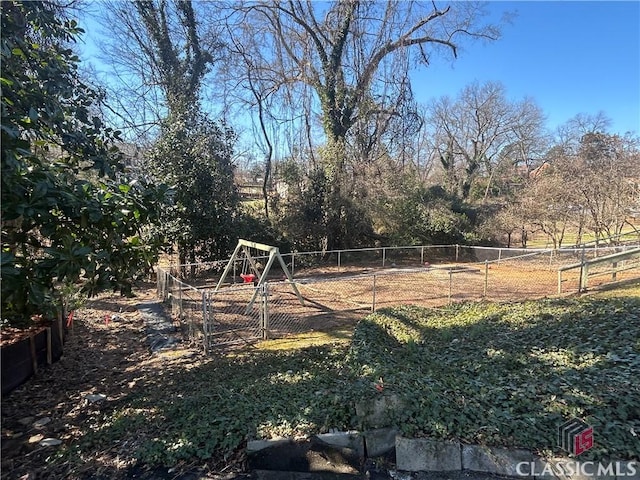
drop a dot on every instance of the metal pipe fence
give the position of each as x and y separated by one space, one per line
401 256
340 287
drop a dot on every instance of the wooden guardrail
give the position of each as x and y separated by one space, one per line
615 263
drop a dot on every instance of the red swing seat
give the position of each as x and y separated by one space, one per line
248 277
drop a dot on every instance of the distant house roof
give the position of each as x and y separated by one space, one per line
536 172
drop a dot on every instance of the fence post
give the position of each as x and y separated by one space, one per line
293 263
450 284
422 255
205 323
373 302
499 255
49 352
234 271
265 311
614 273
339 258
457 252
582 283
486 277
180 300
61 316
559 282
384 255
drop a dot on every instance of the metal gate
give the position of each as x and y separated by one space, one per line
230 317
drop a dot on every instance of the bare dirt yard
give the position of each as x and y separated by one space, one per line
335 297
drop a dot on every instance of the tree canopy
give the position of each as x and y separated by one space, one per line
71 216
165 47
350 157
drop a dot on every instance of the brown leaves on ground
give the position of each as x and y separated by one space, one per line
105 353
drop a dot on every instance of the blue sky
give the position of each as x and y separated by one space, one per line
571 57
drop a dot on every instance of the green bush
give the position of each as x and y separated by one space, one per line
421 215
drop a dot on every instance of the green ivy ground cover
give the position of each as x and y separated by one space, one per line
495 374
510 374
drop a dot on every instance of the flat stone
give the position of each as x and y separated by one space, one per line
500 461
427 455
309 455
380 441
324 458
41 422
95 397
36 438
254 446
396 475
351 440
160 330
50 442
26 421
282 455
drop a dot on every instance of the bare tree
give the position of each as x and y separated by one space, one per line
346 53
159 54
480 128
167 53
341 49
423 157
569 134
593 189
260 90
602 168
606 170
547 205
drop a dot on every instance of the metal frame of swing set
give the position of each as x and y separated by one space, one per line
274 252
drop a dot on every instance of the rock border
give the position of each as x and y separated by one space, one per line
416 455
428 455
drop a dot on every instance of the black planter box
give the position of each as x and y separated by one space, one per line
20 360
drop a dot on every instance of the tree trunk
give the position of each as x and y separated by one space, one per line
333 161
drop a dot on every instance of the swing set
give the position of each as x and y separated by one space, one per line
243 251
